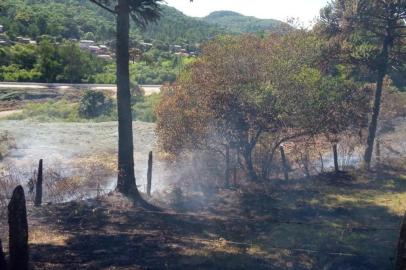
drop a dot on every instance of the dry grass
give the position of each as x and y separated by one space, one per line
44 236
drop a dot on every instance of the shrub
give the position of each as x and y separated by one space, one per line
94 104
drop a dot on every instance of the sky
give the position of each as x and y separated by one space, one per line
304 10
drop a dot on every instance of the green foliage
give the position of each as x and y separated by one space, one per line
77 66
49 62
14 73
58 18
144 108
176 28
94 104
156 67
50 111
80 19
62 110
239 23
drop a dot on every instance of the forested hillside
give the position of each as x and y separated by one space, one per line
239 23
83 20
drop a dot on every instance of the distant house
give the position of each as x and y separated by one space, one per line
103 49
94 49
85 44
182 54
146 45
23 40
26 40
4 42
176 48
1 28
105 57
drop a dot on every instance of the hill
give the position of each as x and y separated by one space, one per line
176 27
80 19
238 23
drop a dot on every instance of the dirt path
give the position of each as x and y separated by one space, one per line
149 89
4 114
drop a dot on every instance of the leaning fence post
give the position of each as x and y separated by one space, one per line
149 174
284 163
38 187
3 263
18 230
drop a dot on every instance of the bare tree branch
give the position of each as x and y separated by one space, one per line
103 6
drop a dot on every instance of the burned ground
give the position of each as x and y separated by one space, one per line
323 222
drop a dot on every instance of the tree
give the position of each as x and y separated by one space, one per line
345 108
142 12
370 32
47 62
76 64
234 98
94 104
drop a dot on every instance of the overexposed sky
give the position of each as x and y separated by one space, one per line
304 10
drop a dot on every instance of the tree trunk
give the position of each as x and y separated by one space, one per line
335 154
249 165
3 263
38 186
227 170
126 178
149 174
321 163
284 163
383 68
18 230
235 176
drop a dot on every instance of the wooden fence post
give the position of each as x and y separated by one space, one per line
18 230
149 174
335 154
378 151
227 170
284 163
3 263
38 186
400 263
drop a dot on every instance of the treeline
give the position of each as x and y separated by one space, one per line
64 19
239 23
66 62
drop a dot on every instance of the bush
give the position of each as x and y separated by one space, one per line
144 108
94 104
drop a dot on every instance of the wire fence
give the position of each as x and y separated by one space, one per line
340 252
74 192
